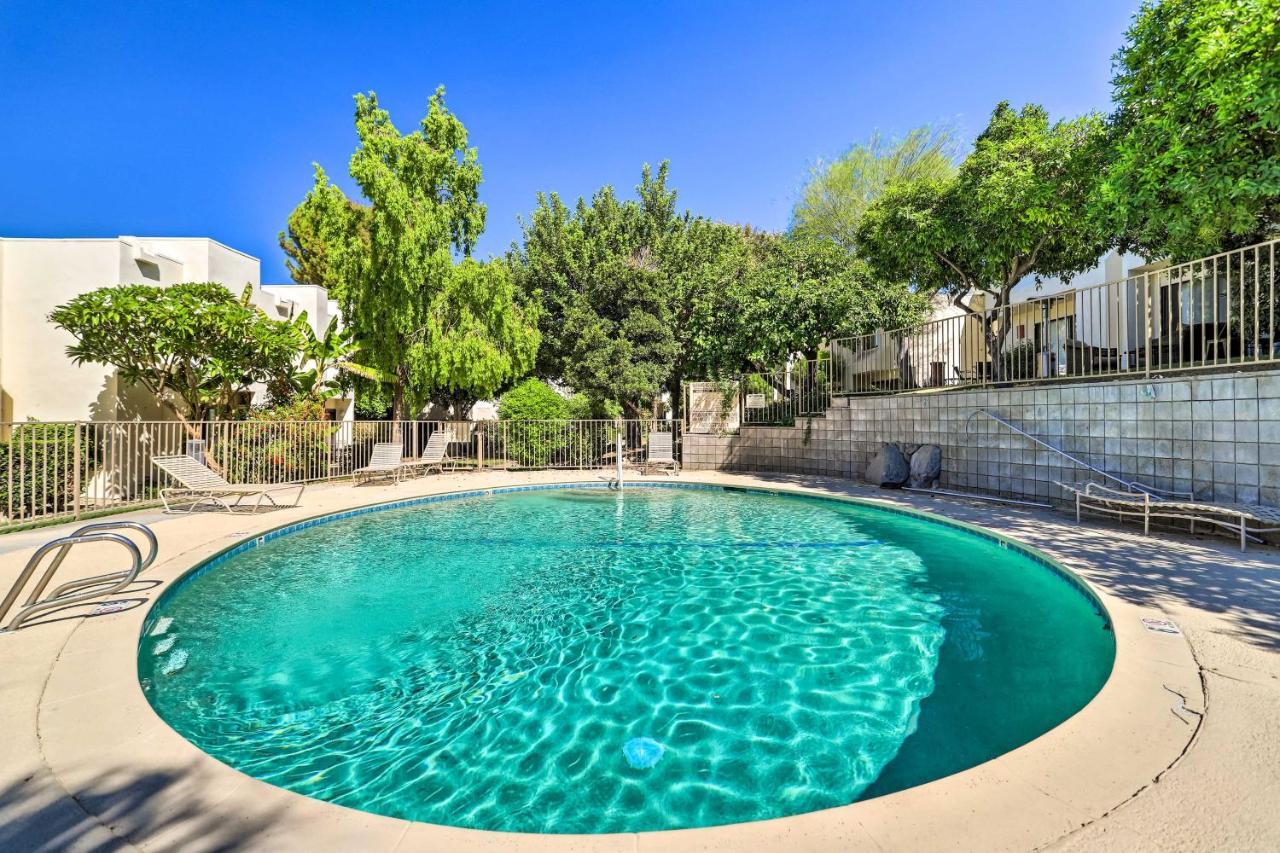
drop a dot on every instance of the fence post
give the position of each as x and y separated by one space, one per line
480 446
75 477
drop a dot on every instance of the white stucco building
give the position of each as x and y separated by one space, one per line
38 380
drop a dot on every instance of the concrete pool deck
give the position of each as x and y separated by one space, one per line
1179 751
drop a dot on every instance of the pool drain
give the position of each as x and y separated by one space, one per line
643 752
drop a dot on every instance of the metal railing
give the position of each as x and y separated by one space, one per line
1217 311
778 398
55 470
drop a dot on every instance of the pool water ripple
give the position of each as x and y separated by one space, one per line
564 661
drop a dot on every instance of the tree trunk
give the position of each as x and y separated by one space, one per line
675 388
194 434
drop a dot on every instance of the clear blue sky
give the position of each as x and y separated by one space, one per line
177 119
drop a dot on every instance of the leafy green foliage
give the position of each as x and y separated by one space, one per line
838 192
195 346
636 296
429 326
606 318
533 399
1020 204
283 443
37 473
1197 127
534 436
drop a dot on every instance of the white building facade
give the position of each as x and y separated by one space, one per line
37 379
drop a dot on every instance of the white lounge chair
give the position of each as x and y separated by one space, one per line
384 460
661 454
1244 520
433 455
200 484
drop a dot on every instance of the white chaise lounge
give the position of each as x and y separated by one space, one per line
199 484
433 455
1245 520
384 461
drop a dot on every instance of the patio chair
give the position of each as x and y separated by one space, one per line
1084 359
1245 520
384 460
433 455
200 484
660 454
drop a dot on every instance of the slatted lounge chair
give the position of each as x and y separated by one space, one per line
384 461
1245 520
661 454
433 455
200 484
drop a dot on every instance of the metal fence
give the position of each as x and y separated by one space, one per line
52 470
1208 313
778 398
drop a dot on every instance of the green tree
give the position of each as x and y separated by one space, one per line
424 323
1197 127
606 319
194 346
1019 205
838 192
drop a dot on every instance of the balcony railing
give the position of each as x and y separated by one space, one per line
1209 313
53 470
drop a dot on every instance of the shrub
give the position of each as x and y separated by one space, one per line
1019 361
268 447
533 400
37 470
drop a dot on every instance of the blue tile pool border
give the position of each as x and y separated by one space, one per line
244 545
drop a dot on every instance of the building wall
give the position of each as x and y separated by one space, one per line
1216 434
38 381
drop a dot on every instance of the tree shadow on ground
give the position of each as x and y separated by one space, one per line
117 809
1203 572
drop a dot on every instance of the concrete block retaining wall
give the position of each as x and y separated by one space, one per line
1216 434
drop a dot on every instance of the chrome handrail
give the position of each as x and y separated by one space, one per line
81 589
1134 487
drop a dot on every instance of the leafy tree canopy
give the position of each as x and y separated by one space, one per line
636 296
838 192
195 346
1019 205
1197 127
430 327
606 300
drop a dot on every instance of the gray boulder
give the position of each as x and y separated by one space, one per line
888 468
926 467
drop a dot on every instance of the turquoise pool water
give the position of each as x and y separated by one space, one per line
576 660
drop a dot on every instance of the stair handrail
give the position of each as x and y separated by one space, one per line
1131 486
81 589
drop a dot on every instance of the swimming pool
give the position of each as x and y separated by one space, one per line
573 659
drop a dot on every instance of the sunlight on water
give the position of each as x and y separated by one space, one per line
583 661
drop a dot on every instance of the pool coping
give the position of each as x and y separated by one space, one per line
1069 776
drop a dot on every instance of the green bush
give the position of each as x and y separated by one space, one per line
37 470
267 448
1019 361
533 400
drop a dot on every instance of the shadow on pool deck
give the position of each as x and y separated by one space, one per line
33 817
1207 573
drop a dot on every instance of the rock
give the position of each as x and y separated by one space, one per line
888 467
926 466
909 450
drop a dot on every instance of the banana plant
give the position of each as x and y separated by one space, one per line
321 354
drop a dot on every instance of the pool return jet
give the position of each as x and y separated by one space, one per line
615 482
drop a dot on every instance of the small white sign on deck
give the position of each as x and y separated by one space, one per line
1161 626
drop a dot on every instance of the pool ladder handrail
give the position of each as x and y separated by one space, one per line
81 589
1131 486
